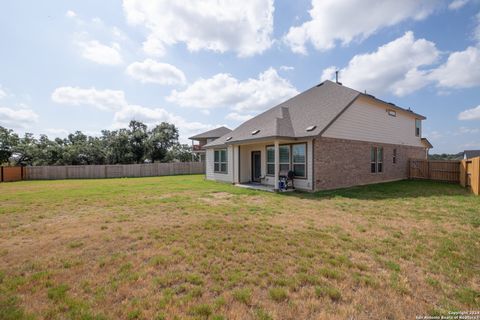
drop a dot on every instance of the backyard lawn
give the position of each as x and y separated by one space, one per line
184 248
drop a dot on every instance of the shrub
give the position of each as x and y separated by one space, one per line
278 294
201 310
330 273
326 291
243 295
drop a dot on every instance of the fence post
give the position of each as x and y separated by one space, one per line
428 170
475 176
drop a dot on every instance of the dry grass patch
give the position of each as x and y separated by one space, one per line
180 247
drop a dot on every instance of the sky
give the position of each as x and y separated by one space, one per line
91 65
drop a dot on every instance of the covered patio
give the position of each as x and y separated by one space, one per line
260 165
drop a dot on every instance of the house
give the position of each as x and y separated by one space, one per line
203 138
469 154
330 136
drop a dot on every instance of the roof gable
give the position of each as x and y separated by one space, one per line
215 133
471 153
317 106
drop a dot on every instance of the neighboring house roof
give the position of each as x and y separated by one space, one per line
317 108
215 133
468 154
427 143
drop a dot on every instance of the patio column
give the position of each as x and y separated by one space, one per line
277 165
236 164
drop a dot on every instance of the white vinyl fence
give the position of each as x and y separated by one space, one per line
113 171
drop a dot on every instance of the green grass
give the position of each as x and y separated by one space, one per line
326 291
184 248
278 294
243 295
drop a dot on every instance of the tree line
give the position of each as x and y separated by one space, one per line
135 144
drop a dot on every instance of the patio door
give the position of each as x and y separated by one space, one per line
256 166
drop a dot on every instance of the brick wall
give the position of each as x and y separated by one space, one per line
342 163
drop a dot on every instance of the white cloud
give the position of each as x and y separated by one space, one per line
393 67
344 21
461 70
70 14
470 114
457 4
3 94
152 117
434 135
156 72
101 99
465 130
223 90
244 27
471 144
17 118
114 100
286 68
476 31
238 117
100 53
57 132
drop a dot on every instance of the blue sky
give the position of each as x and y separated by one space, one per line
92 65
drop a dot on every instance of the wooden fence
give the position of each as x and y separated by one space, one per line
447 171
9 174
470 174
112 171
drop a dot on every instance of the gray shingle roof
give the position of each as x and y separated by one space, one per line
471 153
215 133
318 106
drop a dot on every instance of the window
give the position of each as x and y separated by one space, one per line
220 161
379 159
299 160
292 157
376 159
418 127
392 113
373 160
271 160
284 158
394 159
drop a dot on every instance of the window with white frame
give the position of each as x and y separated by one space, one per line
418 127
292 157
284 151
220 161
376 159
299 160
270 160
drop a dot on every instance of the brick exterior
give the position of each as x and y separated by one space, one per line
342 163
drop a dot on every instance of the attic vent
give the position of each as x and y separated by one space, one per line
228 139
311 128
392 113
254 132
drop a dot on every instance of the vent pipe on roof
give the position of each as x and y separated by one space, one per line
336 77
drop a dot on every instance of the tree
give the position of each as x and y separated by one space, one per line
138 140
179 152
134 144
48 152
161 139
8 141
25 150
